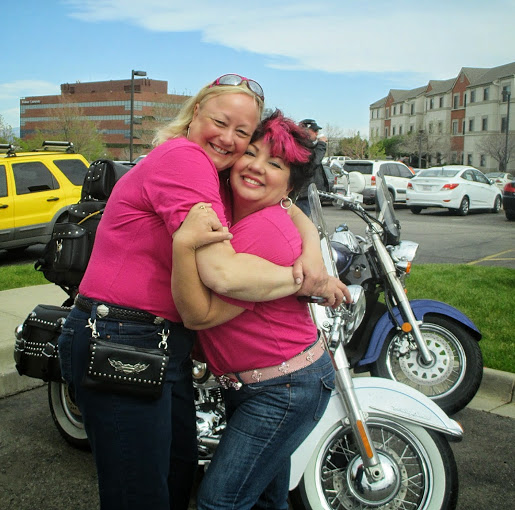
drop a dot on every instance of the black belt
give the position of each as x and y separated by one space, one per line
115 311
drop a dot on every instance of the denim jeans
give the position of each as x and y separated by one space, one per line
145 450
267 421
303 205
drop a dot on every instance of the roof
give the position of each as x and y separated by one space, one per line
495 73
440 86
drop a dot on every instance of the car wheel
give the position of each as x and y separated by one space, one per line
416 210
464 207
497 205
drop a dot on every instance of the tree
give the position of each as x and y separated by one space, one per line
354 146
70 124
423 148
495 146
334 135
6 132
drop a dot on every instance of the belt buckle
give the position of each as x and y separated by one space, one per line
227 383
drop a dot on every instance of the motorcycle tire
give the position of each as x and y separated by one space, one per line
455 375
66 415
422 459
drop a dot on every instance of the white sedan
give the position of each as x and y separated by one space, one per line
456 187
500 178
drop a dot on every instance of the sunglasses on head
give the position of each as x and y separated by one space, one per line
236 79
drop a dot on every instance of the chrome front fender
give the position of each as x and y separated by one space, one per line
420 308
379 397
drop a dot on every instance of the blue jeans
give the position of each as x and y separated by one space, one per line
303 205
145 450
267 421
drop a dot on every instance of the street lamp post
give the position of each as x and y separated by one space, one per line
420 135
133 73
506 96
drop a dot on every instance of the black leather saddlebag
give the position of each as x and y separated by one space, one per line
36 353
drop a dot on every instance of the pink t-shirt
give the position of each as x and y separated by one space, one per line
131 262
266 333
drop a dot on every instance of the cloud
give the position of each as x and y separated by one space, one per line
335 36
21 88
11 92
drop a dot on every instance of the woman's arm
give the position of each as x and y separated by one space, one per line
310 265
198 307
247 277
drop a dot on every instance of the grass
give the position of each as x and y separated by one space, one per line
483 293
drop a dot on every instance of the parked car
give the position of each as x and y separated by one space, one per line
508 200
397 176
458 188
36 189
500 178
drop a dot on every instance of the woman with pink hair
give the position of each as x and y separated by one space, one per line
276 375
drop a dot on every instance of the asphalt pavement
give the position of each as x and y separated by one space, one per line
495 395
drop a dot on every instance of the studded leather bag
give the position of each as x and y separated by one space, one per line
126 369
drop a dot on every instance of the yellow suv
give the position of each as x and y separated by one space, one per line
36 189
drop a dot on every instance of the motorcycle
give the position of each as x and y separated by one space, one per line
426 344
380 443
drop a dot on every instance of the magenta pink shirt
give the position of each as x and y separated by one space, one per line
131 263
266 333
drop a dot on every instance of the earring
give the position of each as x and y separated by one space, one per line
285 200
188 132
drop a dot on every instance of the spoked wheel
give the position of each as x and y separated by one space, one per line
419 468
66 415
497 204
463 210
451 379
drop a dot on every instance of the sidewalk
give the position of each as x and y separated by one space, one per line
496 394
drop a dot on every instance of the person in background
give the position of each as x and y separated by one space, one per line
276 374
316 170
145 450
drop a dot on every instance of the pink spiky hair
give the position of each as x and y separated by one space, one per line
287 140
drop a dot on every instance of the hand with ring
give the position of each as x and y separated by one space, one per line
200 227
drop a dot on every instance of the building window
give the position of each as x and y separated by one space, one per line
395 110
411 129
469 159
412 108
388 113
430 128
486 93
393 131
441 102
484 124
456 101
503 124
454 127
506 89
472 96
431 103
440 128
401 109
400 130
463 126
471 124
482 160
386 132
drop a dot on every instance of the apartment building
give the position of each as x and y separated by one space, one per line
459 120
108 105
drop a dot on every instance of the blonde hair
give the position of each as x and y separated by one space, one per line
179 126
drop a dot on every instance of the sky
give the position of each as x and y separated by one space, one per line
322 59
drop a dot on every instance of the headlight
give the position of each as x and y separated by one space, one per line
356 309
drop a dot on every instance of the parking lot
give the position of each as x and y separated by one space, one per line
478 238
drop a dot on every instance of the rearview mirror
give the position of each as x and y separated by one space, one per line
336 168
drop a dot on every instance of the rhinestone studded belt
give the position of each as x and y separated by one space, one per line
116 312
301 360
